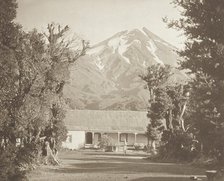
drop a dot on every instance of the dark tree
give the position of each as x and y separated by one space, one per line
168 102
203 24
33 71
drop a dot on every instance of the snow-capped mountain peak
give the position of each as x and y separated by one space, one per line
107 77
124 42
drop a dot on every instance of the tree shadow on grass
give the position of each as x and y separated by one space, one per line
97 163
121 167
164 179
109 159
117 154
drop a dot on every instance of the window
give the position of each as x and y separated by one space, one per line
69 139
123 136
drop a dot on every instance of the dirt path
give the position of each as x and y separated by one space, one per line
92 166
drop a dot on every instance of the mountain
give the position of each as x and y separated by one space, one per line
107 77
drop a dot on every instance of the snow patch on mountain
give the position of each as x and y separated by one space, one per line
126 59
99 64
120 44
137 41
114 43
144 33
152 48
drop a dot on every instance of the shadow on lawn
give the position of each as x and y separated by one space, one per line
164 179
117 154
109 159
125 166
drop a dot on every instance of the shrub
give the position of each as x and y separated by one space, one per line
10 166
139 146
105 142
177 145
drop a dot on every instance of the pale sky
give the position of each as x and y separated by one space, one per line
96 20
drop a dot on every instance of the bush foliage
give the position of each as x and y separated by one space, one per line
33 71
194 114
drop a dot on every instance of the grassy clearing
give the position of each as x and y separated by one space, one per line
109 166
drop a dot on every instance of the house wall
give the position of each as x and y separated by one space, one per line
75 140
141 138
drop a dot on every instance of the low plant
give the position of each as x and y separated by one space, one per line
105 142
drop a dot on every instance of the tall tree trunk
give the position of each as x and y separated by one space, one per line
153 146
202 148
152 96
37 136
181 121
170 120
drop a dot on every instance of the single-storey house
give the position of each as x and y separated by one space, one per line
85 127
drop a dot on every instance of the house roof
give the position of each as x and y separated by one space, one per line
106 121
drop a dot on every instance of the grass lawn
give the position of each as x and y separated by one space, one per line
99 166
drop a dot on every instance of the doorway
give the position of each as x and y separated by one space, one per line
89 138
